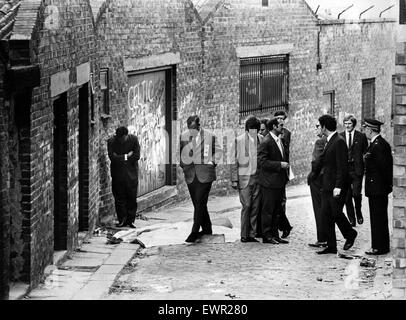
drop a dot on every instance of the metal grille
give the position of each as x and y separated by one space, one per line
264 84
368 98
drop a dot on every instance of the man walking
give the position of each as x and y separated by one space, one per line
263 131
334 165
357 144
124 153
315 184
244 177
273 176
199 150
378 184
285 136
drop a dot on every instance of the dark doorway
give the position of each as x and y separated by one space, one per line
60 172
84 158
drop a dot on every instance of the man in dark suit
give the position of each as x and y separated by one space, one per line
378 184
315 188
284 224
199 155
124 153
334 166
357 144
244 177
273 162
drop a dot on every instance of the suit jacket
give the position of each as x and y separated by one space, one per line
243 168
124 170
271 174
358 148
316 158
378 168
194 159
334 164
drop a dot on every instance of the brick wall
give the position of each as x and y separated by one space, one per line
399 183
207 75
138 29
62 39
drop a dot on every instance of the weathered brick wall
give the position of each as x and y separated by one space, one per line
353 51
207 76
246 23
137 29
4 195
63 39
399 181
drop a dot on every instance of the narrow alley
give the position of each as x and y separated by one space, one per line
216 269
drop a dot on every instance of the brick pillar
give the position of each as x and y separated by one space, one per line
399 181
4 197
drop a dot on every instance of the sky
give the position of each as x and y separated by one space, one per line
336 6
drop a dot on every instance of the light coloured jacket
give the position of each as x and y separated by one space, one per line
243 167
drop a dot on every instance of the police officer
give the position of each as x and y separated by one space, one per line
378 184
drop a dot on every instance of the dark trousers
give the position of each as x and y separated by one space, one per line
332 214
125 198
315 191
199 192
354 192
270 211
283 219
250 201
378 208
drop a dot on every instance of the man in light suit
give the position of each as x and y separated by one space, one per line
273 175
378 184
334 184
199 155
244 177
357 145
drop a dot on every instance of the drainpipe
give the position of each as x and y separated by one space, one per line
365 11
318 66
344 11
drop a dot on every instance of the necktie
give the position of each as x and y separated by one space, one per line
349 141
278 141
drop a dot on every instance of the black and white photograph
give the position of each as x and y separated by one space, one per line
210 152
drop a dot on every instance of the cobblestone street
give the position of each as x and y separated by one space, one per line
255 270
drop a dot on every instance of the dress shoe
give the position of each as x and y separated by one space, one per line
318 244
192 237
279 240
131 225
376 252
121 224
286 232
269 240
360 220
350 241
327 250
248 239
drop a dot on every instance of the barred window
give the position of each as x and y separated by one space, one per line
368 98
264 84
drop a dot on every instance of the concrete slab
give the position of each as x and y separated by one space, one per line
17 290
93 290
119 257
104 276
83 262
109 269
90 255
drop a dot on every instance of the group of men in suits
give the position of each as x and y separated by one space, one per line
260 171
339 162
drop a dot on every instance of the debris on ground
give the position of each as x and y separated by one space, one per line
366 262
345 256
319 279
114 240
232 296
137 241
